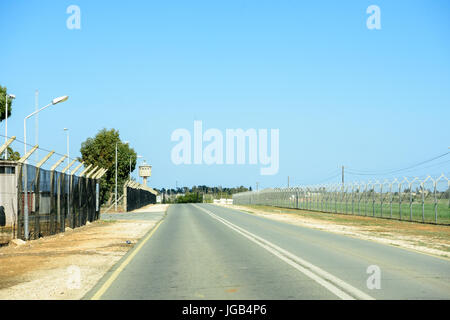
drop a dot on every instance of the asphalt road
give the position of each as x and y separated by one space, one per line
204 251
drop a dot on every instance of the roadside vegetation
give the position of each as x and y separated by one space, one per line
101 151
190 198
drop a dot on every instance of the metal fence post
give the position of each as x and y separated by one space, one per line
373 200
410 201
435 201
400 199
37 198
381 200
423 201
391 199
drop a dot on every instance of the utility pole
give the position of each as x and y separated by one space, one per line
288 181
342 176
257 184
68 171
115 193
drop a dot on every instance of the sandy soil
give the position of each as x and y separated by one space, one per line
68 265
425 238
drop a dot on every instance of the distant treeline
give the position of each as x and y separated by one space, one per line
204 190
198 194
190 198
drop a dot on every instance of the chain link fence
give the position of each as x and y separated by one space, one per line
422 200
138 196
41 202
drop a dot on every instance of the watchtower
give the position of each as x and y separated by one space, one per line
145 171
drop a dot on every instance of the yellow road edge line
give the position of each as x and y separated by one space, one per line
116 273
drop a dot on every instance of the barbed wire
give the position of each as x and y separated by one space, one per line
39 148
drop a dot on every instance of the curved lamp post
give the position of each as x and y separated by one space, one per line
25 207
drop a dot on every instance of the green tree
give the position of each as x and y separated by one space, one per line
101 151
12 155
194 197
3 92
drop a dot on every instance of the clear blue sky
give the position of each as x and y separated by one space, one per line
340 94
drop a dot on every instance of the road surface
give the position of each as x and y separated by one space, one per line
203 251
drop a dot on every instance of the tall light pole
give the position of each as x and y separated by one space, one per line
54 101
129 172
25 207
68 172
36 123
67 145
11 96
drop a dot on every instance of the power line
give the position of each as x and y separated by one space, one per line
368 173
333 174
431 166
329 178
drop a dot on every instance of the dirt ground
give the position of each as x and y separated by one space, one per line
68 265
425 238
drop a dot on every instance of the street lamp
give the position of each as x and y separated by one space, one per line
25 207
11 96
54 101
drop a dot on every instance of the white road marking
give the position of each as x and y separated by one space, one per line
335 285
